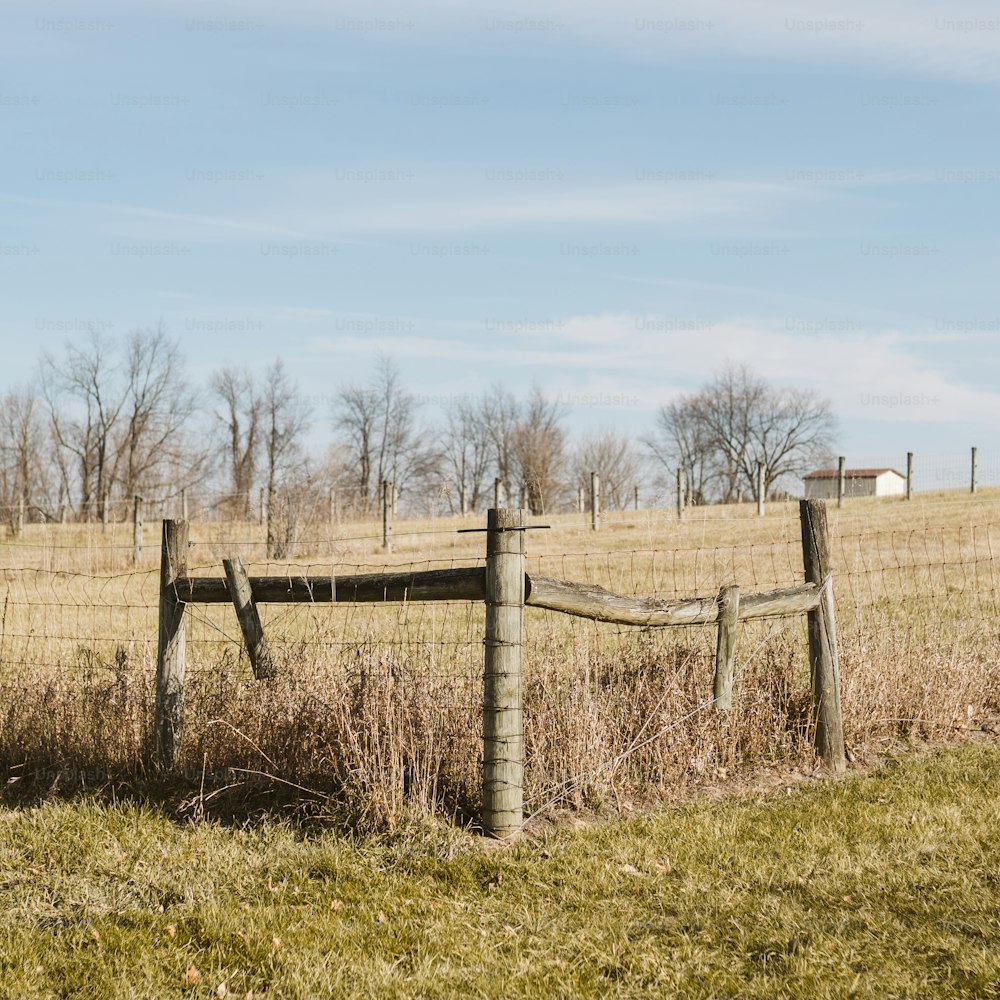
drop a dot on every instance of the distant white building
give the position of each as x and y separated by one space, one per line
822 484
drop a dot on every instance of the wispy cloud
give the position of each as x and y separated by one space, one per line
869 375
925 37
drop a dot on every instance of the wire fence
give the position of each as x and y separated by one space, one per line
380 706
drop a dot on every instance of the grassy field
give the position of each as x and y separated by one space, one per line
883 884
379 708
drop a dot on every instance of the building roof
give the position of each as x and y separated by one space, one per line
851 473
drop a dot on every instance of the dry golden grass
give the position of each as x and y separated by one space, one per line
379 708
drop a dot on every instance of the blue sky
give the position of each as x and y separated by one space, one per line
610 200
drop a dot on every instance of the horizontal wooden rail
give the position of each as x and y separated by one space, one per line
429 585
590 601
580 599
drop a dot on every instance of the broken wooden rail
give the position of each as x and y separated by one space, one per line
506 589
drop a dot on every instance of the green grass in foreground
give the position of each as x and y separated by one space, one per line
884 884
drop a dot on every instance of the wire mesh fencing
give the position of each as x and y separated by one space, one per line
379 706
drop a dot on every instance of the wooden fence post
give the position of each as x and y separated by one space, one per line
841 463
680 493
136 529
823 659
760 489
725 650
595 501
503 724
973 484
636 494
249 619
909 475
168 718
387 492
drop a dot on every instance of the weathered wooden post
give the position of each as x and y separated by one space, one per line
680 493
387 515
168 717
636 494
503 724
909 475
136 529
595 501
249 619
841 468
332 499
823 659
725 650
973 485
760 489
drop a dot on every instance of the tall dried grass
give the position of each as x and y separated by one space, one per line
377 711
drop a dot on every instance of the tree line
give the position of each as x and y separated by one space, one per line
104 420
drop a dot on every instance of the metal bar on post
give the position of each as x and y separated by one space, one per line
725 650
595 501
168 715
136 529
387 515
841 477
249 619
823 658
909 475
503 723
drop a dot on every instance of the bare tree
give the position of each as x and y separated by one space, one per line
239 415
719 434
25 479
681 440
152 451
286 417
466 449
539 448
377 424
613 458
499 415
792 433
85 396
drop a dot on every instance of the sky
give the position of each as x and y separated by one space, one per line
608 200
